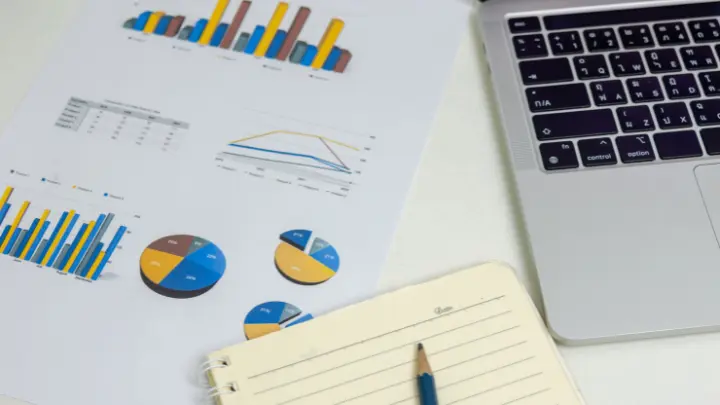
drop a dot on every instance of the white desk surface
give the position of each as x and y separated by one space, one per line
461 211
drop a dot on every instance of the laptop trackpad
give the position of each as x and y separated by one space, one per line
708 178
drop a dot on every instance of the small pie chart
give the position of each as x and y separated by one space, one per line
306 259
272 317
182 266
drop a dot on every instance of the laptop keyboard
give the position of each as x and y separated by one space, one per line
622 87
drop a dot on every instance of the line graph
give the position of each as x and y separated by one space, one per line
296 148
294 153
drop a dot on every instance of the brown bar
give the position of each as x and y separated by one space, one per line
343 62
174 26
294 32
235 25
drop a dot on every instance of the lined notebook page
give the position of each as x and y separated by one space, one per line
485 341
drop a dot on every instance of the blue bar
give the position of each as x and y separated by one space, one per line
198 30
84 271
3 213
86 244
37 240
73 246
13 239
53 235
309 56
142 21
25 240
219 35
63 238
110 250
163 25
4 234
276 44
333 59
255 39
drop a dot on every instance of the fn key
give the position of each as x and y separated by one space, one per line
558 155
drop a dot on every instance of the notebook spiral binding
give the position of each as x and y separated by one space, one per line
217 391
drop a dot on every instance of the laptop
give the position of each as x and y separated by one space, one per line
611 113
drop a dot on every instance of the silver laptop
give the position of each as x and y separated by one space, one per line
611 112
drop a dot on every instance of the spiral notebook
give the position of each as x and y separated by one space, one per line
485 340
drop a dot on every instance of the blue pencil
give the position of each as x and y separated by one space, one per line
425 379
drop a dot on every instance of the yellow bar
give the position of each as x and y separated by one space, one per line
95 265
153 22
15 224
271 29
75 253
56 242
328 41
34 235
6 196
214 21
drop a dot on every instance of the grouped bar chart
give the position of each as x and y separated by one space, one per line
82 255
267 41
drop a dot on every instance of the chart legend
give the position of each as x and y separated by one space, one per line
281 38
182 266
273 317
305 259
67 244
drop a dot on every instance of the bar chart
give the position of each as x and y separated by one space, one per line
70 245
269 41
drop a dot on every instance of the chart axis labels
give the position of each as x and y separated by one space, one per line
272 317
305 259
182 266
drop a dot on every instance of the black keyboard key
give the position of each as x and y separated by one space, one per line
677 145
583 19
635 149
574 124
559 155
636 36
591 67
524 24
662 60
546 71
672 115
711 140
681 86
565 43
627 64
705 30
562 97
706 112
530 46
672 33
608 92
599 40
597 152
710 82
644 89
635 119
698 57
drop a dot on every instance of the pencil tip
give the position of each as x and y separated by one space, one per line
420 346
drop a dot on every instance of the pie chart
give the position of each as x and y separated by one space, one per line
182 266
272 317
306 259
